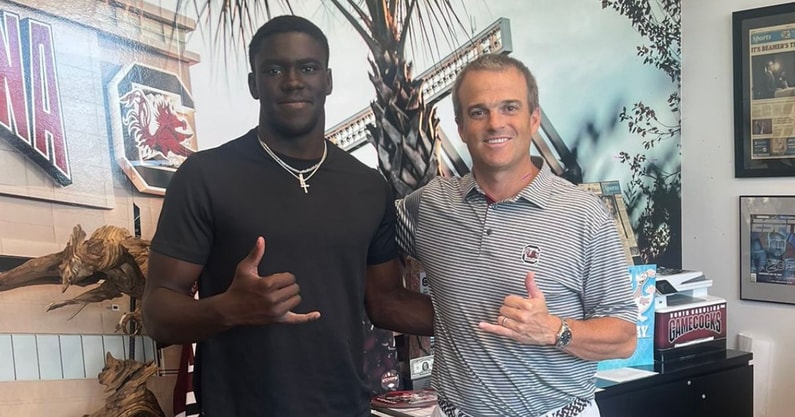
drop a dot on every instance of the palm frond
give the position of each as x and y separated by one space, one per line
441 15
361 28
231 23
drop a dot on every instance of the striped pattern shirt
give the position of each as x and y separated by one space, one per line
475 254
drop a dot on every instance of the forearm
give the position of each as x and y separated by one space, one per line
404 311
175 318
602 338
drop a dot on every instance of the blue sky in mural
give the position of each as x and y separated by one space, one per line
583 57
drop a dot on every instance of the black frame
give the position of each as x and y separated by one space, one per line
753 283
743 22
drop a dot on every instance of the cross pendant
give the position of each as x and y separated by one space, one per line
303 184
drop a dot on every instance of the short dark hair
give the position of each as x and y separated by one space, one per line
495 62
286 24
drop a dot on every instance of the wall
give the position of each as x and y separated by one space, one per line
91 41
710 193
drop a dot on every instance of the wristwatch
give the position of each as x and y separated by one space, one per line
564 335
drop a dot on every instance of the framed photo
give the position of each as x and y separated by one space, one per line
764 91
767 248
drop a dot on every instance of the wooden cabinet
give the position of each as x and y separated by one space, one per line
713 386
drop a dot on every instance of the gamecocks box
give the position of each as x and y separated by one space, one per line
689 329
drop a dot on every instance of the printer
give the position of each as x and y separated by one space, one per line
677 287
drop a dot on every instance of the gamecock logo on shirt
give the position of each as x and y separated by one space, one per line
531 254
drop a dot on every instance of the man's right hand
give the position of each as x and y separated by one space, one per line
255 300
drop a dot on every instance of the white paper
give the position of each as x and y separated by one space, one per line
623 374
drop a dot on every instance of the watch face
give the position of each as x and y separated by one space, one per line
564 337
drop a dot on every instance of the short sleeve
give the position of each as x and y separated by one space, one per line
383 247
607 288
184 229
407 210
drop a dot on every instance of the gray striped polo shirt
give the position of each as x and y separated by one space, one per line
475 254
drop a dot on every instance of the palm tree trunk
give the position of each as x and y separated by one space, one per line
405 133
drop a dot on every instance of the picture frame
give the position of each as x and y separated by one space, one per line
764 91
767 248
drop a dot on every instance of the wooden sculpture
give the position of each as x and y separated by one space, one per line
126 380
111 255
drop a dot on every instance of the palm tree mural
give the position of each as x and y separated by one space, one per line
654 191
405 131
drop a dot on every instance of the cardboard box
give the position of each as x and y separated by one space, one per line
680 329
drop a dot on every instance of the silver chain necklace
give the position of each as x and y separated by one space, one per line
297 173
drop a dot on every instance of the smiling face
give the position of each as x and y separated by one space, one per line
291 81
496 121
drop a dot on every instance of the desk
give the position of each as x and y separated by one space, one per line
717 385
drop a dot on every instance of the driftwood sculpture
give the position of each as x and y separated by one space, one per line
111 255
127 381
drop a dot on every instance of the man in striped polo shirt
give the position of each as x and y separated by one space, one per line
527 274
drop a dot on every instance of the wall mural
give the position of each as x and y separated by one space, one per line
83 85
608 74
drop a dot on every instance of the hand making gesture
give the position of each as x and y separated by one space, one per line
256 300
526 320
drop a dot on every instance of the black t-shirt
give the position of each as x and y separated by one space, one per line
217 204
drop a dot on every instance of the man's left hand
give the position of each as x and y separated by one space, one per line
526 320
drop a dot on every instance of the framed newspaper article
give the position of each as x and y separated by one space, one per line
764 91
767 248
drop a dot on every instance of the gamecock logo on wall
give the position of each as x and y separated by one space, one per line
151 113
